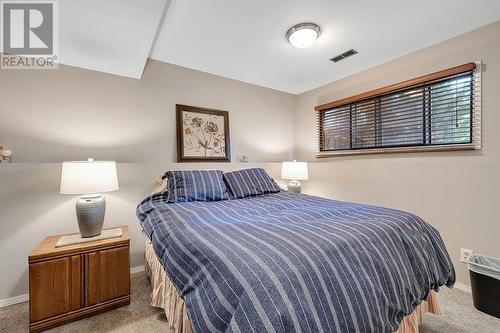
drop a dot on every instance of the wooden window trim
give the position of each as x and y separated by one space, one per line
398 86
397 150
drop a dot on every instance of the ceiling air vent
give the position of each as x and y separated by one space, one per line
344 55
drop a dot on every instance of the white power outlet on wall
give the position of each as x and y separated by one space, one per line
465 254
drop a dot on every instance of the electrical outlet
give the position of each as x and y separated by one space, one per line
465 254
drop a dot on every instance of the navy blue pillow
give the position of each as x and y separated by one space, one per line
250 182
195 185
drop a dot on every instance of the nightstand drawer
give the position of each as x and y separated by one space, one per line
55 287
107 275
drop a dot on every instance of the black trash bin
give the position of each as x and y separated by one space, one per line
485 283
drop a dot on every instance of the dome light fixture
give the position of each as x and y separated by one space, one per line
303 34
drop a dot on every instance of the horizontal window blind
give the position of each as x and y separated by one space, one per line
442 112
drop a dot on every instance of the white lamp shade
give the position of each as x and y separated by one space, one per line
294 170
88 177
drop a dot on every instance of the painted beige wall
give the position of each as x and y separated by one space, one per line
456 192
70 114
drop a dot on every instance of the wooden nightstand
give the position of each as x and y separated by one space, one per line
71 282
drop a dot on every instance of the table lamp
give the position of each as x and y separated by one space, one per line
89 178
294 172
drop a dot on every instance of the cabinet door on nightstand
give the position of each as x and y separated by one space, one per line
55 287
107 275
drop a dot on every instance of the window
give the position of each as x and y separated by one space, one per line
434 112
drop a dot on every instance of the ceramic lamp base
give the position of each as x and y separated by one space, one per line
294 186
90 212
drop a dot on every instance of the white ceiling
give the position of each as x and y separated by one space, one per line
244 40
112 36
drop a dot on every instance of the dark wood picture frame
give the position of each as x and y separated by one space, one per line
181 157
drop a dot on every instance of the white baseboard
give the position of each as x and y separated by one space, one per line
14 300
24 298
137 269
463 287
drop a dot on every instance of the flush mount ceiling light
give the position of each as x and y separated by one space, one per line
303 34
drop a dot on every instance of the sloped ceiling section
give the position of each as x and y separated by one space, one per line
112 36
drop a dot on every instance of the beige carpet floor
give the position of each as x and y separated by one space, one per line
459 316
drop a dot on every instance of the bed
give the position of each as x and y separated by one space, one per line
285 262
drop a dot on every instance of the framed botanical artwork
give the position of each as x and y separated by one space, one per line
202 135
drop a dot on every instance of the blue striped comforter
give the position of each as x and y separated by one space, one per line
287 262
